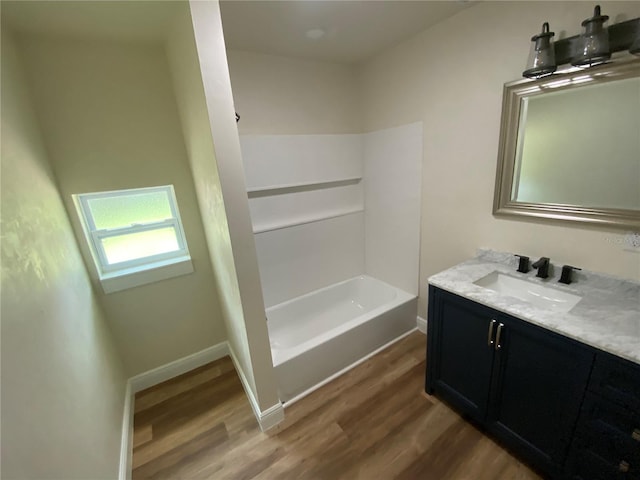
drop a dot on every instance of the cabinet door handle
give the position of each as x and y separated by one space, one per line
498 346
492 324
636 434
624 466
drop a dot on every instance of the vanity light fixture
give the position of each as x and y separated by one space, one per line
542 59
593 44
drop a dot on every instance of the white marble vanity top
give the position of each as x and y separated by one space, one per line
607 317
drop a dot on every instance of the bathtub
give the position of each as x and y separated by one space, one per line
318 336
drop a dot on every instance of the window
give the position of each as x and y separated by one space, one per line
132 233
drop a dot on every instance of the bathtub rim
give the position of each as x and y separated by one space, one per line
330 286
282 355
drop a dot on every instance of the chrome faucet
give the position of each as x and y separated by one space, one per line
543 267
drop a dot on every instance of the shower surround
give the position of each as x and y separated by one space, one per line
336 220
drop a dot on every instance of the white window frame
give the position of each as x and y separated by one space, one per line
139 271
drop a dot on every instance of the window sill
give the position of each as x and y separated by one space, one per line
143 275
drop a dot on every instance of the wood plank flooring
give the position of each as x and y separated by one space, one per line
374 422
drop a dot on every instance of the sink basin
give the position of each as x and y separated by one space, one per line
538 295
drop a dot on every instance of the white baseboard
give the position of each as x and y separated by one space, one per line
178 367
126 443
149 379
268 418
271 417
421 323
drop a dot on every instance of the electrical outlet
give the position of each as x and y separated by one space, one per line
632 242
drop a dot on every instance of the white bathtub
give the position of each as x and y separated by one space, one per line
317 335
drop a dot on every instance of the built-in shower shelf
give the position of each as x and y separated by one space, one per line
293 187
305 220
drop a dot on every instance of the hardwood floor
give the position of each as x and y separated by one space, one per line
374 422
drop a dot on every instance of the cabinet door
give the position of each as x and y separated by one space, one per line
537 388
459 357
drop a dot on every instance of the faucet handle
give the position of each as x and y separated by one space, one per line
565 276
523 264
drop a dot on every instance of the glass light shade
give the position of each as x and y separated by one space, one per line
593 44
542 58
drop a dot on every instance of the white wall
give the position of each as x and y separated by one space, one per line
275 94
450 77
303 258
110 121
290 109
288 160
201 80
326 208
392 181
306 199
63 384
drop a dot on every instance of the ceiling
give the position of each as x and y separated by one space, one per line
341 31
350 31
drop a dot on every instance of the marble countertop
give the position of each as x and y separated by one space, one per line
607 317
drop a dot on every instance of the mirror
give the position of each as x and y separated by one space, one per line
570 146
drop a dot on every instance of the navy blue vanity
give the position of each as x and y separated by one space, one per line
568 408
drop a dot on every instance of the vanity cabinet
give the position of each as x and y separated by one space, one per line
522 383
607 440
